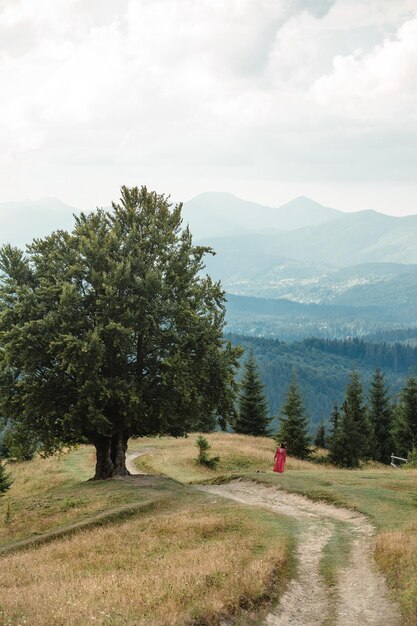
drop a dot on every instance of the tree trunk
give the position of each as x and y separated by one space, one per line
118 454
104 463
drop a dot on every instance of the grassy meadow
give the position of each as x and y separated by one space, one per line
179 557
239 454
152 550
386 495
54 495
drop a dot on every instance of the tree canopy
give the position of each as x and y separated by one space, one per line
112 331
350 439
405 429
5 479
381 416
293 428
253 415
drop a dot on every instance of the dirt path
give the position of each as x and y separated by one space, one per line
361 596
131 456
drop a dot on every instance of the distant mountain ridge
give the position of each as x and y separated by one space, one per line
23 221
365 263
214 214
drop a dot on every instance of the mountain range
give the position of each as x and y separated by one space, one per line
214 214
364 264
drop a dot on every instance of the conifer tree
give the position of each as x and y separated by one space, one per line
334 421
405 428
293 429
380 414
320 440
253 418
5 480
349 441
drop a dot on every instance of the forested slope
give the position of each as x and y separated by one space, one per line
323 367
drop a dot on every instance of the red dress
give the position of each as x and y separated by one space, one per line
280 456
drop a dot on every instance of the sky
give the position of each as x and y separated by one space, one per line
266 99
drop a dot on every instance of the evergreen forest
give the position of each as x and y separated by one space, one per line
323 369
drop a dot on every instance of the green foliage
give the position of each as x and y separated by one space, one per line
207 423
112 331
380 414
405 428
203 458
334 421
18 443
323 369
293 428
349 443
253 418
320 440
3 448
5 479
412 459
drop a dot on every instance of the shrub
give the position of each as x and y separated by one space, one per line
203 459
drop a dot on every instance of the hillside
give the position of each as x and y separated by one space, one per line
323 368
358 259
290 320
206 556
384 495
145 549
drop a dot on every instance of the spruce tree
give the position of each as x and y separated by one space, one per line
293 429
253 418
349 441
334 421
5 480
320 440
380 414
405 428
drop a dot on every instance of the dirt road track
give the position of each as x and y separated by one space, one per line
361 597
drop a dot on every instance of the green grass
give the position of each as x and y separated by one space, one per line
54 495
335 553
386 495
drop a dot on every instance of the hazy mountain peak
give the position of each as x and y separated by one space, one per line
22 221
305 202
217 214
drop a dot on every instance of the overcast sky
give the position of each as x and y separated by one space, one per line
267 99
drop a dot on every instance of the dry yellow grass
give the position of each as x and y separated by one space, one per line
387 496
50 494
41 475
396 554
238 453
195 562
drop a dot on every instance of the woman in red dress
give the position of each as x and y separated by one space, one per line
280 456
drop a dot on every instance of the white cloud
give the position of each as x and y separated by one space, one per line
99 92
377 83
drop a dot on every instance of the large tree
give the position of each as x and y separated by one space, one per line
112 331
293 427
253 415
380 414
